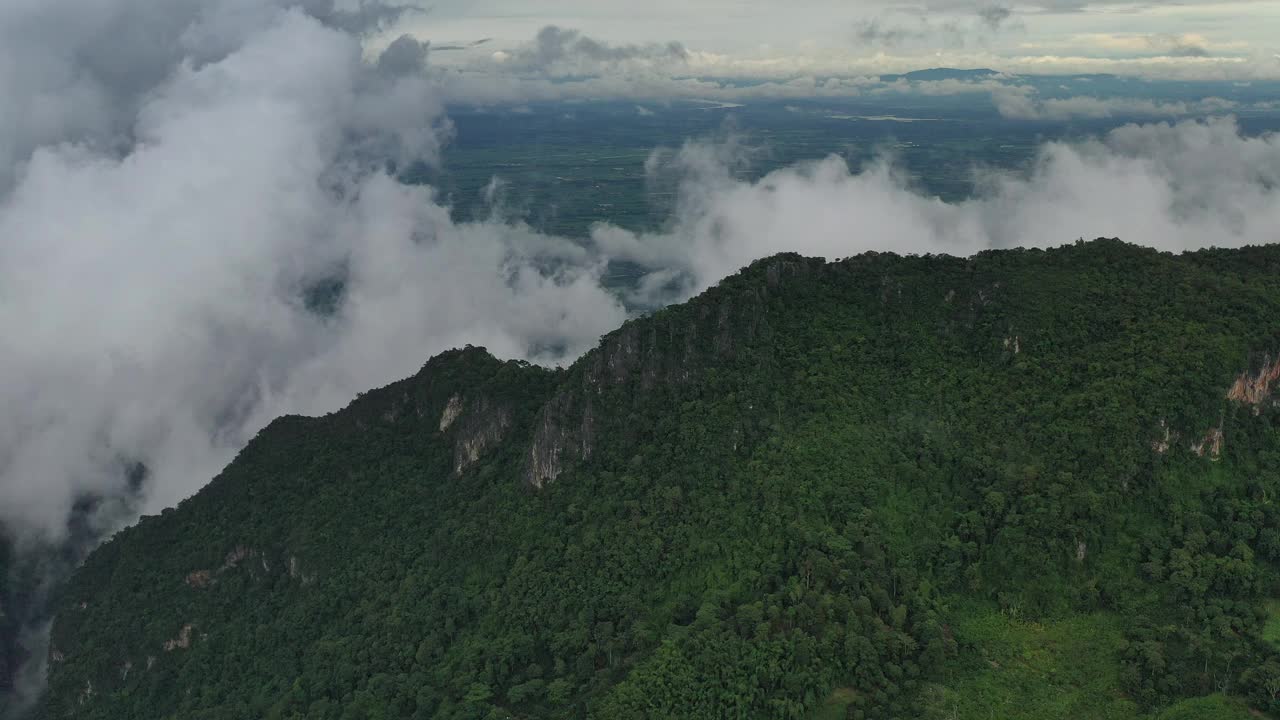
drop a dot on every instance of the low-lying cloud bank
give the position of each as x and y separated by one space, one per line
566 65
1010 97
1020 102
1175 187
854 41
199 236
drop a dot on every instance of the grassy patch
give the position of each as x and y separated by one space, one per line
1271 631
836 705
1065 668
1212 707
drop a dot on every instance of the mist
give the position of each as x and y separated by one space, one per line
201 229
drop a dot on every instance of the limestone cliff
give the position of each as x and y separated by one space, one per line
478 426
1255 388
657 354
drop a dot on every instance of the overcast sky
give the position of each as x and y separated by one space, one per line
1236 39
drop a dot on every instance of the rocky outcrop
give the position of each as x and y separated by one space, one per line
182 641
1161 445
200 579
296 572
478 425
1251 389
1256 388
451 412
1210 444
563 434
238 555
655 354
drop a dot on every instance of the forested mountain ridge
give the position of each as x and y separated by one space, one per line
1035 483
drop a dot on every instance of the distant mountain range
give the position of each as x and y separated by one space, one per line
941 74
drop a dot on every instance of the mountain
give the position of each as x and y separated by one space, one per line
935 74
1027 484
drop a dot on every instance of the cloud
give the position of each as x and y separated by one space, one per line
994 16
1189 45
484 88
1069 6
879 32
367 17
902 41
820 37
558 50
1170 186
463 46
1020 102
1187 50
405 56
171 226
78 71
910 26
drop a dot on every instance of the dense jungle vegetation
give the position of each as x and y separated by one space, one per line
1027 484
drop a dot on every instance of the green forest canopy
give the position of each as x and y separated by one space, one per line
1025 484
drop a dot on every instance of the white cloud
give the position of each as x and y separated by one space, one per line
155 255
1174 187
457 87
1021 103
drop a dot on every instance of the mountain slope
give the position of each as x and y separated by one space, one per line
870 488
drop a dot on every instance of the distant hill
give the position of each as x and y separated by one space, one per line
1025 485
941 74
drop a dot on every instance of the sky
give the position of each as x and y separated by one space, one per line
1230 39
